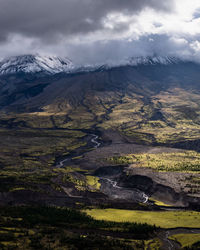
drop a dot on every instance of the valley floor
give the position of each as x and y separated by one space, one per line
99 170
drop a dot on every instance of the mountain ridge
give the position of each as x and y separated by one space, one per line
35 63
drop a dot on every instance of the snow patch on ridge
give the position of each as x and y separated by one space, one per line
135 61
132 61
53 65
35 64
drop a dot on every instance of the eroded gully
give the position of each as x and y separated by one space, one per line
109 185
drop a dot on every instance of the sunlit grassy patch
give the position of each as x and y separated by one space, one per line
187 161
93 182
68 169
77 157
153 244
186 240
167 219
159 203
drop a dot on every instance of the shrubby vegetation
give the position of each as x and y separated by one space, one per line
51 227
188 161
28 155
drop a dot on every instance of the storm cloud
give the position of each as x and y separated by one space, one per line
50 18
100 31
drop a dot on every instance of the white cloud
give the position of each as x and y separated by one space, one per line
195 46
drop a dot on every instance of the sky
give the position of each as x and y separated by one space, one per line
100 31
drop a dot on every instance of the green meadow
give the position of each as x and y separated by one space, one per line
163 219
186 240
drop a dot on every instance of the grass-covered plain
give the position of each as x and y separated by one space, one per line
187 161
62 228
186 240
163 219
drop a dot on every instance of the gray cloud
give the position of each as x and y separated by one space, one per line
49 18
115 51
196 14
63 27
101 52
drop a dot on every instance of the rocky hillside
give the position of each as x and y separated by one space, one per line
150 101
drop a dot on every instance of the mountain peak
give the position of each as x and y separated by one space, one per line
153 60
52 64
35 64
148 60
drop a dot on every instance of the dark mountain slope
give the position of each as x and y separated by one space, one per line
142 79
149 103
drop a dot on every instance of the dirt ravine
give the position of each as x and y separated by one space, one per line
169 187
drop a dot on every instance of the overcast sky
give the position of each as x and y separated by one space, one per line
97 31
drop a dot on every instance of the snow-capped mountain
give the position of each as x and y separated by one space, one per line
35 64
131 61
140 76
136 61
52 64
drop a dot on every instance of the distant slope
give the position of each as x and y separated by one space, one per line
155 102
145 79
